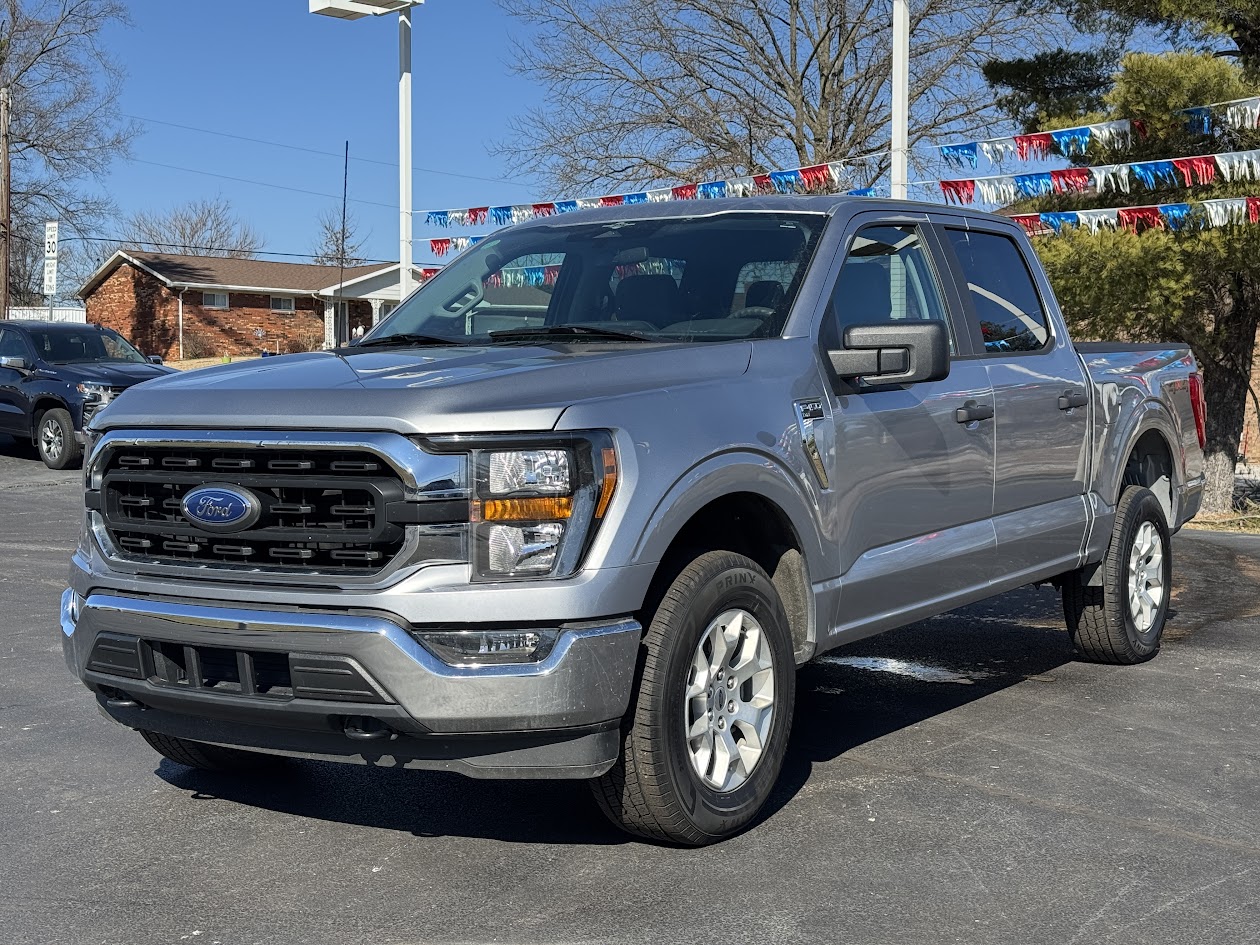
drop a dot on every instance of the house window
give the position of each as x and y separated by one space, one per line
214 300
387 308
281 303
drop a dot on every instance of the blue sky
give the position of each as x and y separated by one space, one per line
270 70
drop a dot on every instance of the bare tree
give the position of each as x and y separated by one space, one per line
65 126
687 90
196 228
336 245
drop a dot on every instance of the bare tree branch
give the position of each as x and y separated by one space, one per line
335 246
197 228
65 127
646 93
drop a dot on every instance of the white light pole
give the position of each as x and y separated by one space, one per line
900 98
357 9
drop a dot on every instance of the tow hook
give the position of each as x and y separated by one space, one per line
363 728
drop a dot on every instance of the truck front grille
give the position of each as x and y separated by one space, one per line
323 510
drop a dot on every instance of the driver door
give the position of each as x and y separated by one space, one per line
12 400
912 478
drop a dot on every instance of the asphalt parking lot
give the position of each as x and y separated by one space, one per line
963 780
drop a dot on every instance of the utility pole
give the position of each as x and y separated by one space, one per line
404 152
900 98
6 219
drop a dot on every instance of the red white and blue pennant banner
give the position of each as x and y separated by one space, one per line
820 178
1201 214
453 244
1068 142
1239 115
1119 178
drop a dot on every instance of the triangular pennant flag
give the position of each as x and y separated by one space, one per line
1071 141
1111 177
960 155
1094 219
1224 212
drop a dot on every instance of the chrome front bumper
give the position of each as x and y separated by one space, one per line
423 707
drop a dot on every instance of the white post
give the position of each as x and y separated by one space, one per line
376 312
900 98
330 322
404 151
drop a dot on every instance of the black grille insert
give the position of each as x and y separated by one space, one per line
322 510
252 674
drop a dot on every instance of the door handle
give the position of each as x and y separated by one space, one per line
973 410
1075 397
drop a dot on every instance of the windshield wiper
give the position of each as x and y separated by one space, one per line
406 338
571 331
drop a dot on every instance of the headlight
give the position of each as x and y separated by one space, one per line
95 393
536 501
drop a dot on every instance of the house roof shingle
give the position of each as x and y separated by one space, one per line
248 273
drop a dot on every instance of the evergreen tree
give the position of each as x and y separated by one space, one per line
1193 284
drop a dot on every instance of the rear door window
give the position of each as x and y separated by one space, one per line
1002 292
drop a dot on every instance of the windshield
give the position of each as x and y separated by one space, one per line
59 346
678 279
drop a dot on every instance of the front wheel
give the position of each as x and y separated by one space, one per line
54 438
705 735
1122 619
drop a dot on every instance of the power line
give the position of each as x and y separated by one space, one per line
207 249
297 147
259 183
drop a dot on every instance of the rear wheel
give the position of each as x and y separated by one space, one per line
1122 620
705 735
54 438
209 757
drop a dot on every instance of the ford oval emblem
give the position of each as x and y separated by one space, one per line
221 508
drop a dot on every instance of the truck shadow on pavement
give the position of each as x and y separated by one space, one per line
847 698
868 690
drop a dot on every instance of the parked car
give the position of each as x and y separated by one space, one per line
55 376
581 506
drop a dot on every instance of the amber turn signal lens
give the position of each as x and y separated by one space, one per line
539 509
609 483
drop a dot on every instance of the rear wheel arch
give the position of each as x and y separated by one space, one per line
1150 464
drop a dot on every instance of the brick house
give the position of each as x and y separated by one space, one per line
204 306
1250 446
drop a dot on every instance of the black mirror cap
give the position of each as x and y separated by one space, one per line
894 352
155 359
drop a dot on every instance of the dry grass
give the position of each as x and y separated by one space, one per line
1245 518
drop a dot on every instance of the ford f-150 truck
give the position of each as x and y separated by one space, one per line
581 506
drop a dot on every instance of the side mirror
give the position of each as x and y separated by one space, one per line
894 353
155 359
16 364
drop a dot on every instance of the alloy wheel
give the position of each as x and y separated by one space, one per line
1146 576
729 700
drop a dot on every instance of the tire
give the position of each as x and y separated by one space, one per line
658 787
54 438
1122 620
209 757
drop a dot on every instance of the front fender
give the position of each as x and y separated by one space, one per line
727 474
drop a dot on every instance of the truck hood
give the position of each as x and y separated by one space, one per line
418 390
108 373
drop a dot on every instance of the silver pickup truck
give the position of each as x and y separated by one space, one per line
581 506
